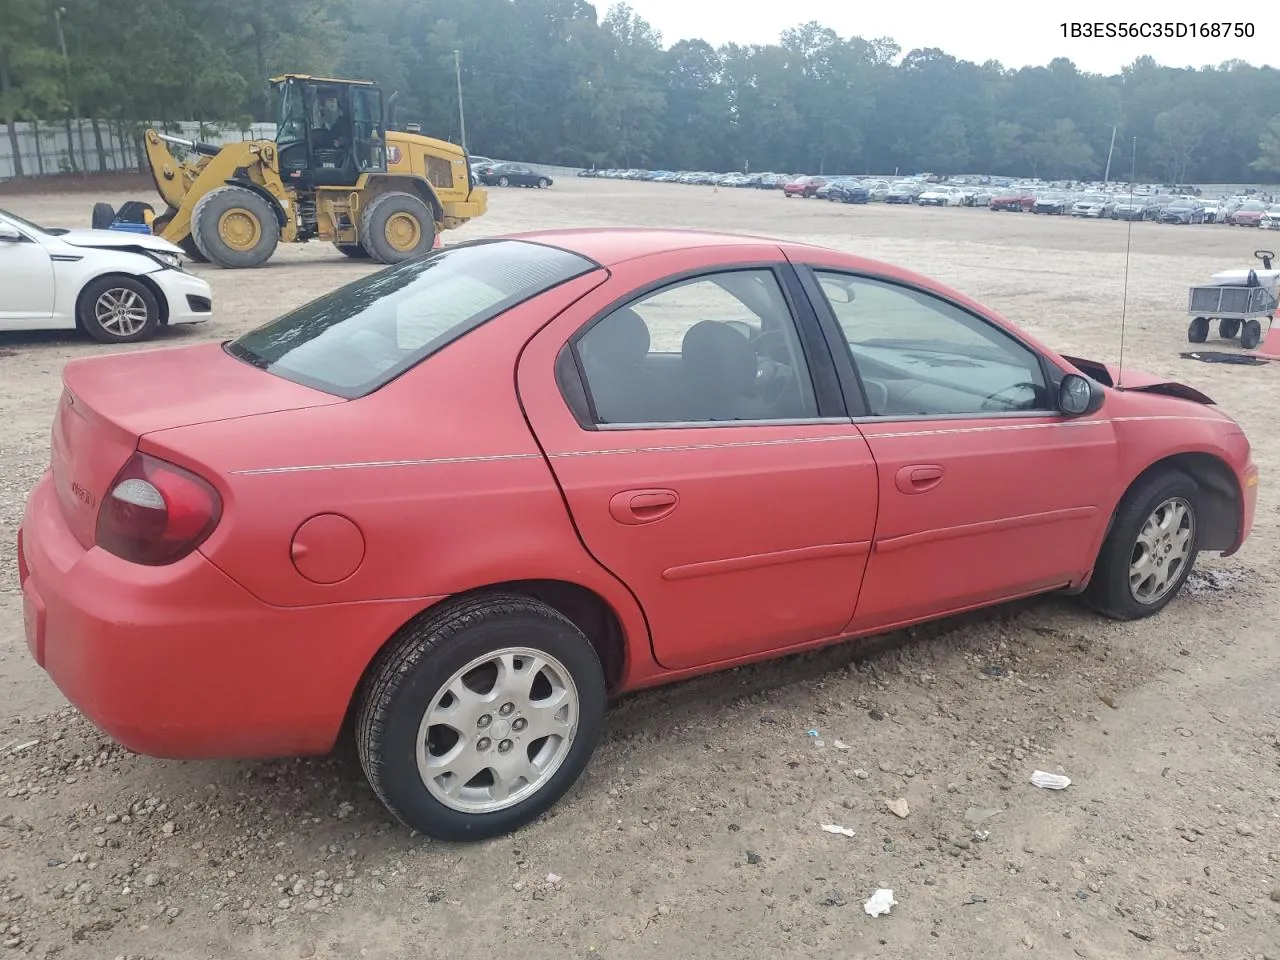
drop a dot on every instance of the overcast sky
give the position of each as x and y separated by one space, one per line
1029 34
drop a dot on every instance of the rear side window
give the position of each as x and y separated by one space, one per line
357 338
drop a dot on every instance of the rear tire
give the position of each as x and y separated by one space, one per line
1198 330
104 215
1122 587
118 309
188 245
433 711
1227 329
235 228
397 226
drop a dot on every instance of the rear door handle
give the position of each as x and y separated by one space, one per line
642 506
919 477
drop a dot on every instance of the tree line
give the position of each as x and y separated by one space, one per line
550 81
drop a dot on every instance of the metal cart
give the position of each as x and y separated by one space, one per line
1238 300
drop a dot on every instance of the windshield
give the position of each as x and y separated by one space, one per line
1253 207
23 222
361 336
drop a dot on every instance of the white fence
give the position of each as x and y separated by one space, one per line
58 146
61 146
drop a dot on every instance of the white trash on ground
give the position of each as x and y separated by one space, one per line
836 828
880 903
1050 781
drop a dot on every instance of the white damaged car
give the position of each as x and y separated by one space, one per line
941 197
116 286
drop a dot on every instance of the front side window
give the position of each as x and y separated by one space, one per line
363 335
918 355
718 347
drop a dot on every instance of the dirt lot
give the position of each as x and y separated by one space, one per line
697 829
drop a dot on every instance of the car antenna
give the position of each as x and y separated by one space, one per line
1128 243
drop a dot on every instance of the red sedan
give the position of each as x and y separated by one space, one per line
464 500
1019 202
1248 215
804 187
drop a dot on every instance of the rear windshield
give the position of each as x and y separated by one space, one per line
357 338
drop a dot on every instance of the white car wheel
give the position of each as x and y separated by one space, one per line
118 309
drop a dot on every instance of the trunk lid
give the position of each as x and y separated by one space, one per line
109 402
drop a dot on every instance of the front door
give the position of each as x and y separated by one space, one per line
26 277
986 491
699 439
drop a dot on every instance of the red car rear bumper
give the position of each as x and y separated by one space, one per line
180 661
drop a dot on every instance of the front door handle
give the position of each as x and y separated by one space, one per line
919 477
642 506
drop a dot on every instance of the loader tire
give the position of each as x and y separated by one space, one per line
397 226
352 250
235 228
192 252
189 249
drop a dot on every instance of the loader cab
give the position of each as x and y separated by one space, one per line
328 132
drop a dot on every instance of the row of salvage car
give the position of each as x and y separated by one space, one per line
1097 201
1241 211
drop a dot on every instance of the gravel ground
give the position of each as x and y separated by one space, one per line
698 828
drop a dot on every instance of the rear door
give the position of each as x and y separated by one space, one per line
987 492
690 412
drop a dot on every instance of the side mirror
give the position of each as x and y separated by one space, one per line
9 234
1079 396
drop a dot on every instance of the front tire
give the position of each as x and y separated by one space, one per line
397 226
1198 330
480 717
1150 550
118 309
234 228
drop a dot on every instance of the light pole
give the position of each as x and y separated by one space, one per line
462 120
71 90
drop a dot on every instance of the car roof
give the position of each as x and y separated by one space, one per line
612 245
609 246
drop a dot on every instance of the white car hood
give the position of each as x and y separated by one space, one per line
117 238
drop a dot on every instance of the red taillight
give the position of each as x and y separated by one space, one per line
156 512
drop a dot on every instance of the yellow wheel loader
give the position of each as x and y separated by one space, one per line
335 172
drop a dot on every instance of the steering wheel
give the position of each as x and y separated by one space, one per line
877 396
992 401
765 339
773 378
